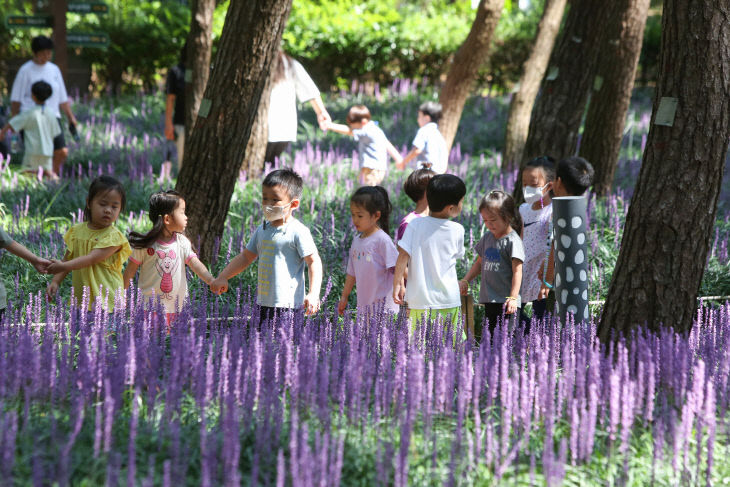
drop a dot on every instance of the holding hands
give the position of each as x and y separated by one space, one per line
219 285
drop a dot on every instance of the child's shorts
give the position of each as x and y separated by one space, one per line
33 162
417 316
371 177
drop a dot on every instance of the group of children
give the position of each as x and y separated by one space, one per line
418 269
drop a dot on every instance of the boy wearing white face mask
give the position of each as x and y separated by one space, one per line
537 215
283 246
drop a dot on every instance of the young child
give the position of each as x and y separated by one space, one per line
574 175
284 246
19 250
430 248
39 127
415 188
372 257
372 145
162 254
500 255
537 217
96 250
429 146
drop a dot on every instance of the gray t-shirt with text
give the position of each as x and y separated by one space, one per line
497 255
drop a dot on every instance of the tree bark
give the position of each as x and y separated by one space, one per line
669 225
464 69
217 145
518 121
256 146
606 117
197 63
564 93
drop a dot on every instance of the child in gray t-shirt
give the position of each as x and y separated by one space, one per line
500 255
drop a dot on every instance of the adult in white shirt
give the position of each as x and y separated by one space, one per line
40 68
290 83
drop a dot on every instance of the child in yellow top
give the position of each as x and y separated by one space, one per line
96 250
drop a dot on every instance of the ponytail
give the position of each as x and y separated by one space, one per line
161 203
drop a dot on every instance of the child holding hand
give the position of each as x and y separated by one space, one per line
40 264
373 255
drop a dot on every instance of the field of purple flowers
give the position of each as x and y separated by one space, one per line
111 398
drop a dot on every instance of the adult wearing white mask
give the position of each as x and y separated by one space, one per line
40 68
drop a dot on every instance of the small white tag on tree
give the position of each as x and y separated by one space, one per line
666 111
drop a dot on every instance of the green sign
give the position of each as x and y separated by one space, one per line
28 21
87 39
88 7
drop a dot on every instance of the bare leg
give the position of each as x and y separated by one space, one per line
59 157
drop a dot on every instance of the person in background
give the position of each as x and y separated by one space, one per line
415 187
429 146
175 110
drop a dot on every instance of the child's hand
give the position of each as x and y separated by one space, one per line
399 293
311 304
219 286
41 265
342 306
56 267
51 291
544 290
400 165
510 306
463 287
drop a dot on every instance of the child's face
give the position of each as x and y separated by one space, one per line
364 221
177 221
104 209
494 222
535 177
559 188
423 119
278 196
42 57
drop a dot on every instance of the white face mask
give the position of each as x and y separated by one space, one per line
273 213
532 194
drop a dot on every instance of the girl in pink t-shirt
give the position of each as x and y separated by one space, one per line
372 257
162 253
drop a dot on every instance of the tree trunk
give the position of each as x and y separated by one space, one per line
606 117
197 63
256 146
518 121
464 69
669 225
217 145
559 109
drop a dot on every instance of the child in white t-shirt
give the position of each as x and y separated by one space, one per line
429 146
430 248
162 253
39 126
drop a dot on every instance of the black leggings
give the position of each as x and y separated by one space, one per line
493 313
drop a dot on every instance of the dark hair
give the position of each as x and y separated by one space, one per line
504 205
281 61
546 163
374 199
357 113
40 43
161 203
432 109
288 179
41 90
576 174
103 185
415 185
444 190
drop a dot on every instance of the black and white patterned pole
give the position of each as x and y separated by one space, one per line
571 257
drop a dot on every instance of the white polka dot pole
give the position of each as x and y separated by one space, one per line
571 266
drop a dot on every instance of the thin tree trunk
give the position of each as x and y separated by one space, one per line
464 69
669 225
518 121
564 93
606 117
197 64
256 146
217 145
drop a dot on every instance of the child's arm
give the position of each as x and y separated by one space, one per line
399 287
169 108
236 266
349 284
394 153
4 130
547 277
314 266
339 128
323 117
473 272
93 257
408 158
200 270
53 286
510 306
129 273
40 264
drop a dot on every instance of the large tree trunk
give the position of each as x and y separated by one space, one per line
559 109
256 146
248 46
606 117
464 69
197 63
518 121
669 226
